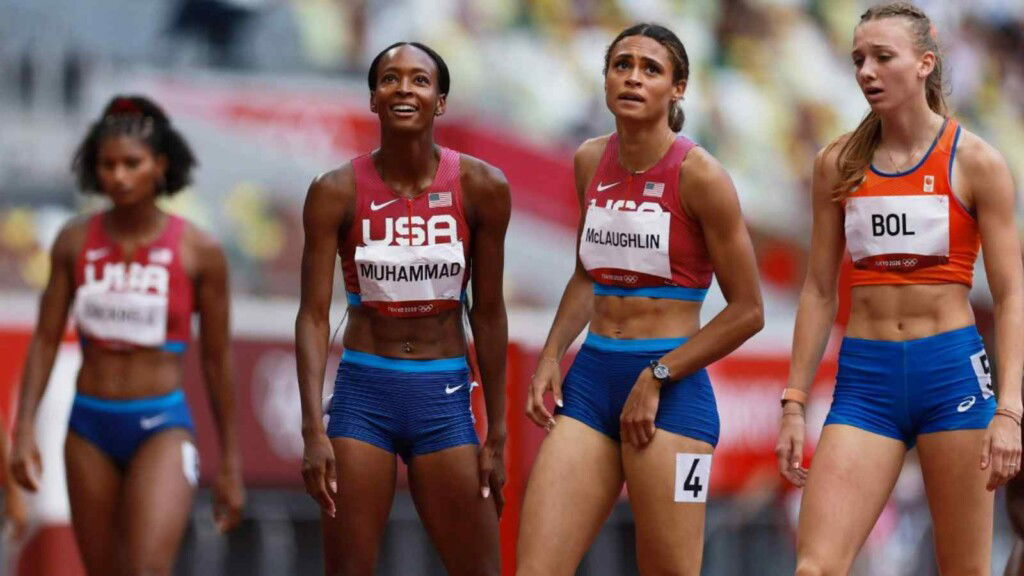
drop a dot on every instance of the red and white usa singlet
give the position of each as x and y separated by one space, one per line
144 300
637 240
407 257
909 228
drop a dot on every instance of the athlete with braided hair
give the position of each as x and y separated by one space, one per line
134 275
912 196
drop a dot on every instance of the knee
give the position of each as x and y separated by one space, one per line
812 567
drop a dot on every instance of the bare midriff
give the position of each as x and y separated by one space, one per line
905 312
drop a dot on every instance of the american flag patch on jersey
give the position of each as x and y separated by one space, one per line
439 199
654 189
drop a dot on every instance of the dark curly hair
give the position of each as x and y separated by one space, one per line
444 79
136 117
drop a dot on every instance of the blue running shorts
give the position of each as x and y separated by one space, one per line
596 388
904 389
407 407
119 427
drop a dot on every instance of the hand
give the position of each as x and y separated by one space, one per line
26 463
15 513
789 450
491 460
318 471
636 424
1000 450
547 377
228 498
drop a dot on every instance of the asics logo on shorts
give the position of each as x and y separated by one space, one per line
450 390
966 404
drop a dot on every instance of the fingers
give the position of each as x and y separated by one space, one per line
486 466
535 409
227 514
986 450
1005 462
315 478
789 457
556 392
499 498
26 474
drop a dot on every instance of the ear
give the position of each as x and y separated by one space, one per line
679 90
373 105
927 64
161 164
442 105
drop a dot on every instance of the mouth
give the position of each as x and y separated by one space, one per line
631 97
873 92
404 110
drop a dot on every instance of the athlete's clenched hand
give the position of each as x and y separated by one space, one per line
789 450
547 377
1000 450
318 471
636 423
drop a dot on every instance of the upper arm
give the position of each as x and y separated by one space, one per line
212 289
329 204
991 188
487 191
714 204
585 163
828 236
60 288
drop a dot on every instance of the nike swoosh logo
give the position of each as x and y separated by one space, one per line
153 421
96 254
602 187
374 206
965 405
449 390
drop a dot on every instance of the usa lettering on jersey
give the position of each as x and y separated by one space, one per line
124 302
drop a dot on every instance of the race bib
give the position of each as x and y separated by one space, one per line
898 233
410 273
636 241
130 317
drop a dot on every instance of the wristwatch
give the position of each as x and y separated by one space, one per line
661 372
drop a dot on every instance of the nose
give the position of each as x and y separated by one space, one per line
405 86
866 73
633 80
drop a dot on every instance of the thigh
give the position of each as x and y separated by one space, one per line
960 504
159 485
462 524
668 482
366 488
851 476
574 482
94 490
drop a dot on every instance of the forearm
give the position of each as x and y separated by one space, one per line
574 313
311 341
490 333
1009 317
815 316
730 328
221 392
38 365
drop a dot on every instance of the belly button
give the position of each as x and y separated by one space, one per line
899 326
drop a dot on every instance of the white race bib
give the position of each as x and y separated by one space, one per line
626 240
132 317
410 273
898 233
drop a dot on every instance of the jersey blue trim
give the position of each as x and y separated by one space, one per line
923 158
632 345
133 404
354 299
667 292
404 364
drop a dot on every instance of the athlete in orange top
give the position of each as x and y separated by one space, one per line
911 195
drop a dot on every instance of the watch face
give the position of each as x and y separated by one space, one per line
661 371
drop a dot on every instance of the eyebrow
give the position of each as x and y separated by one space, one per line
629 55
395 68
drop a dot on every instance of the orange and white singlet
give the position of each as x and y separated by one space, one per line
909 227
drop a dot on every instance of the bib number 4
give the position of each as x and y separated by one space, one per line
693 475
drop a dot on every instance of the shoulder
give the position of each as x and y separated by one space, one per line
826 162
479 177
336 183
590 151
71 238
976 157
200 240
700 169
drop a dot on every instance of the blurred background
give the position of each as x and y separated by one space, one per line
272 92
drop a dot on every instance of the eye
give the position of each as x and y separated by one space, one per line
422 79
884 57
858 61
389 77
652 69
132 163
622 65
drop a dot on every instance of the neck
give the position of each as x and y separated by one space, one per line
407 163
908 128
135 219
641 146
